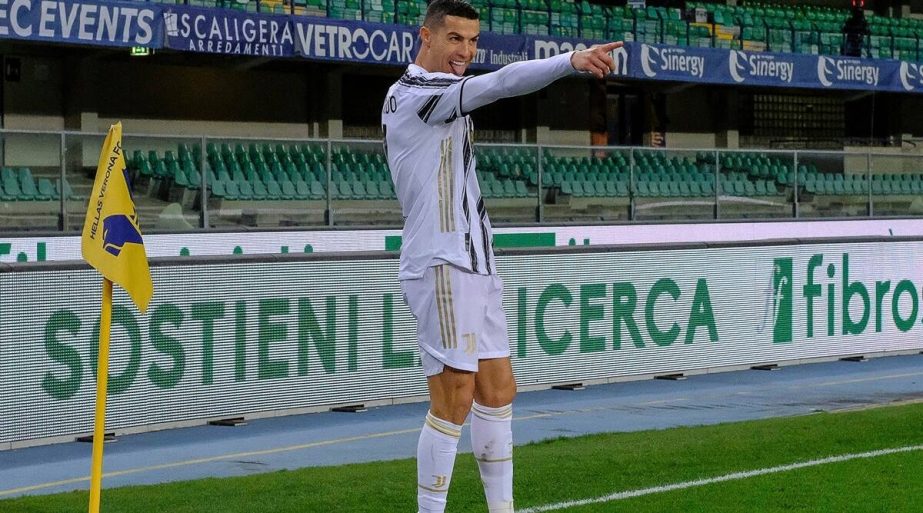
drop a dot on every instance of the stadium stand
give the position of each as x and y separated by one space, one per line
240 175
272 183
279 180
808 29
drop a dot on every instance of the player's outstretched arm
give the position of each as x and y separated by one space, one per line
526 77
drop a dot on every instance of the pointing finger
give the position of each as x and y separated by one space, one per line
608 47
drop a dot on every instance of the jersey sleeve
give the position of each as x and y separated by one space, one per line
463 96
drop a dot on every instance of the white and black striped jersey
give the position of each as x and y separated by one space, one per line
430 148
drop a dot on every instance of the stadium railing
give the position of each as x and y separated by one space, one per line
755 26
203 182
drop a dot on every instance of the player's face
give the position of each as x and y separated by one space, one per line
453 45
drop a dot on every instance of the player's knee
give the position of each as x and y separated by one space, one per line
497 396
454 409
453 402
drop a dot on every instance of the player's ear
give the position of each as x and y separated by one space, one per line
425 35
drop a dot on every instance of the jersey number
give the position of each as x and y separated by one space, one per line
390 105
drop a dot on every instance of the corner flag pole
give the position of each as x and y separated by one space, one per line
102 379
112 244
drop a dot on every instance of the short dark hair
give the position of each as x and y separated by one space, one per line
439 9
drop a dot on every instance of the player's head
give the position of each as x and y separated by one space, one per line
448 37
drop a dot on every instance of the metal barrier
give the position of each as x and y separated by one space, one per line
201 183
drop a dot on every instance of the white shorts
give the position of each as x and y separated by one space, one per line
460 318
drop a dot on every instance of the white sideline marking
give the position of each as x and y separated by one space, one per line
719 479
210 459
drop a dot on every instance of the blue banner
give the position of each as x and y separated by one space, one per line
747 68
232 32
82 22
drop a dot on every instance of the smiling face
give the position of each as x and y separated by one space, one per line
449 47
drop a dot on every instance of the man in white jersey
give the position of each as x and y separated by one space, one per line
447 267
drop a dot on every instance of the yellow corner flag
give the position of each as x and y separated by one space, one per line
111 239
112 243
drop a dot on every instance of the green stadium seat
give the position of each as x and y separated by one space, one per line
599 189
245 190
860 186
708 188
136 156
185 153
64 188
7 196
372 191
13 189
317 191
29 188
915 185
583 189
509 189
180 179
387 189
359 191
223 175
497 189
238 175
192 175
275 190
169 157
302 190
46 189
232 190
521 190
160 169
218 189
695 189
259 190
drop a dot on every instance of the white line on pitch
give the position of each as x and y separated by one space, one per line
719 479
220 457
863 380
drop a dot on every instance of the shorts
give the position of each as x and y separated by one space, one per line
460 318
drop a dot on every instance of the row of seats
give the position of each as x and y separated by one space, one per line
667 189
298 171
300 190
881 184
18 184
493 187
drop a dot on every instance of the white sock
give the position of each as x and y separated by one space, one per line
492 442
435 459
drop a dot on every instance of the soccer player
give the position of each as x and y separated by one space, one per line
447 267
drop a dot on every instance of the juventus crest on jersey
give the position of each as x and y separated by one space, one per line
429 145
